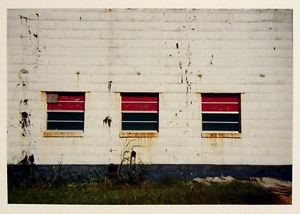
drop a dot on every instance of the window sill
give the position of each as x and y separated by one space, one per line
137 134
221 135
63 134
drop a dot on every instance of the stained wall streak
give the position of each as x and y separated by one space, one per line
179 53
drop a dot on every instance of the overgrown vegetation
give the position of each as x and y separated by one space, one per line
173 192
127 183
128 171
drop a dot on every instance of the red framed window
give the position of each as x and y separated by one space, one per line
221 112
139 111
65 110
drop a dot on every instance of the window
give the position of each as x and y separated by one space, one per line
65 111
139 111
221 112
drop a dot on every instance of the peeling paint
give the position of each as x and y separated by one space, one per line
211 60
27 160
109 85
112 150
23 17
77 77
180 65
24 71
24 101
25 123
107 121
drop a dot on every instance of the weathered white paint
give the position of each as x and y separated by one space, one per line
241 51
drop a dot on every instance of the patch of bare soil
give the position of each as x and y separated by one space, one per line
284 194
282 189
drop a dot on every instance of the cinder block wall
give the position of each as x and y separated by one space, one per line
176 52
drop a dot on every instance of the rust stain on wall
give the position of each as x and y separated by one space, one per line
138 135
221 135
62 134
77 77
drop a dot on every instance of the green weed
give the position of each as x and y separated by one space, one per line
180 192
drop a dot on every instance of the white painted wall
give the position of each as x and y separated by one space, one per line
113 45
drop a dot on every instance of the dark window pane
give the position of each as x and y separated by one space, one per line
221 117
64 126
220 126
139 126
65 116
139 116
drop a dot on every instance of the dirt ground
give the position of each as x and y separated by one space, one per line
284 194
282 189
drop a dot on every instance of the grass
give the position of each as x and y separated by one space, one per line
174 192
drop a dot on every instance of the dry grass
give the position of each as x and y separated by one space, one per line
168 192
